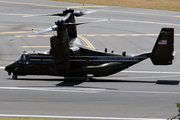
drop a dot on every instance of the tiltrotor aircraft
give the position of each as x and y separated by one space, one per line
68 58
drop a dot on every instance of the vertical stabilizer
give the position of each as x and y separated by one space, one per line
162 53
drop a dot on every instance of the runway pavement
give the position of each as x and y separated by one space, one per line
142 91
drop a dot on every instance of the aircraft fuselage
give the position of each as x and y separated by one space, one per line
99 65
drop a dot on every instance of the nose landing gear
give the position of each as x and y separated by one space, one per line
14 76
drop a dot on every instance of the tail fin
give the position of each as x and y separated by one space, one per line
162 53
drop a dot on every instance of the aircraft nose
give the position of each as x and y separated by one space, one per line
9 67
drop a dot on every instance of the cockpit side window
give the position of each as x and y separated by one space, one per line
22 58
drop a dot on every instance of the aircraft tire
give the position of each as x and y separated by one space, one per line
14 76
88 79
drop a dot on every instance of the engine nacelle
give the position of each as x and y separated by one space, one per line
74 51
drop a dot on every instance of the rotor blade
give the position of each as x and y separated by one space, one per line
53 28
80 13
66 17
58 14
80 23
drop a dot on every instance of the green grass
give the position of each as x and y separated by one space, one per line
171 5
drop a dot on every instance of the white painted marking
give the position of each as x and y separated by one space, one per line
136 21
79 90
85 90
76 117
148 92
36 46
2 67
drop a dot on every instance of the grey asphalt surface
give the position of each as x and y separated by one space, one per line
142 91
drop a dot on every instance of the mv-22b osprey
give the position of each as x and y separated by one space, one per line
68 58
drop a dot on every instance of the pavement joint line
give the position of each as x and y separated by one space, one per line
144 13
77 117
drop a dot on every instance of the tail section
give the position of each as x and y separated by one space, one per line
162 53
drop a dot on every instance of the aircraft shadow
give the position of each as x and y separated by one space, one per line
71 82
165 82
74 82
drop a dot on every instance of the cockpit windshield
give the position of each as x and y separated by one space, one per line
22 57
19 58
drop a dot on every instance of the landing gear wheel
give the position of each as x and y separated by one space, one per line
14 76
88 79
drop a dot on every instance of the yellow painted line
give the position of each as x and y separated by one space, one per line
135 35
151 34
106 35
36 46
86 41
94 35
91 35
121 35
17 35
32 36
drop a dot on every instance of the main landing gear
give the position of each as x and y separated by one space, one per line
89 77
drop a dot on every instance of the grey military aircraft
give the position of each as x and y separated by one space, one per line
68 58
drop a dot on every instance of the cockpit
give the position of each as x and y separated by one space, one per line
22 58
